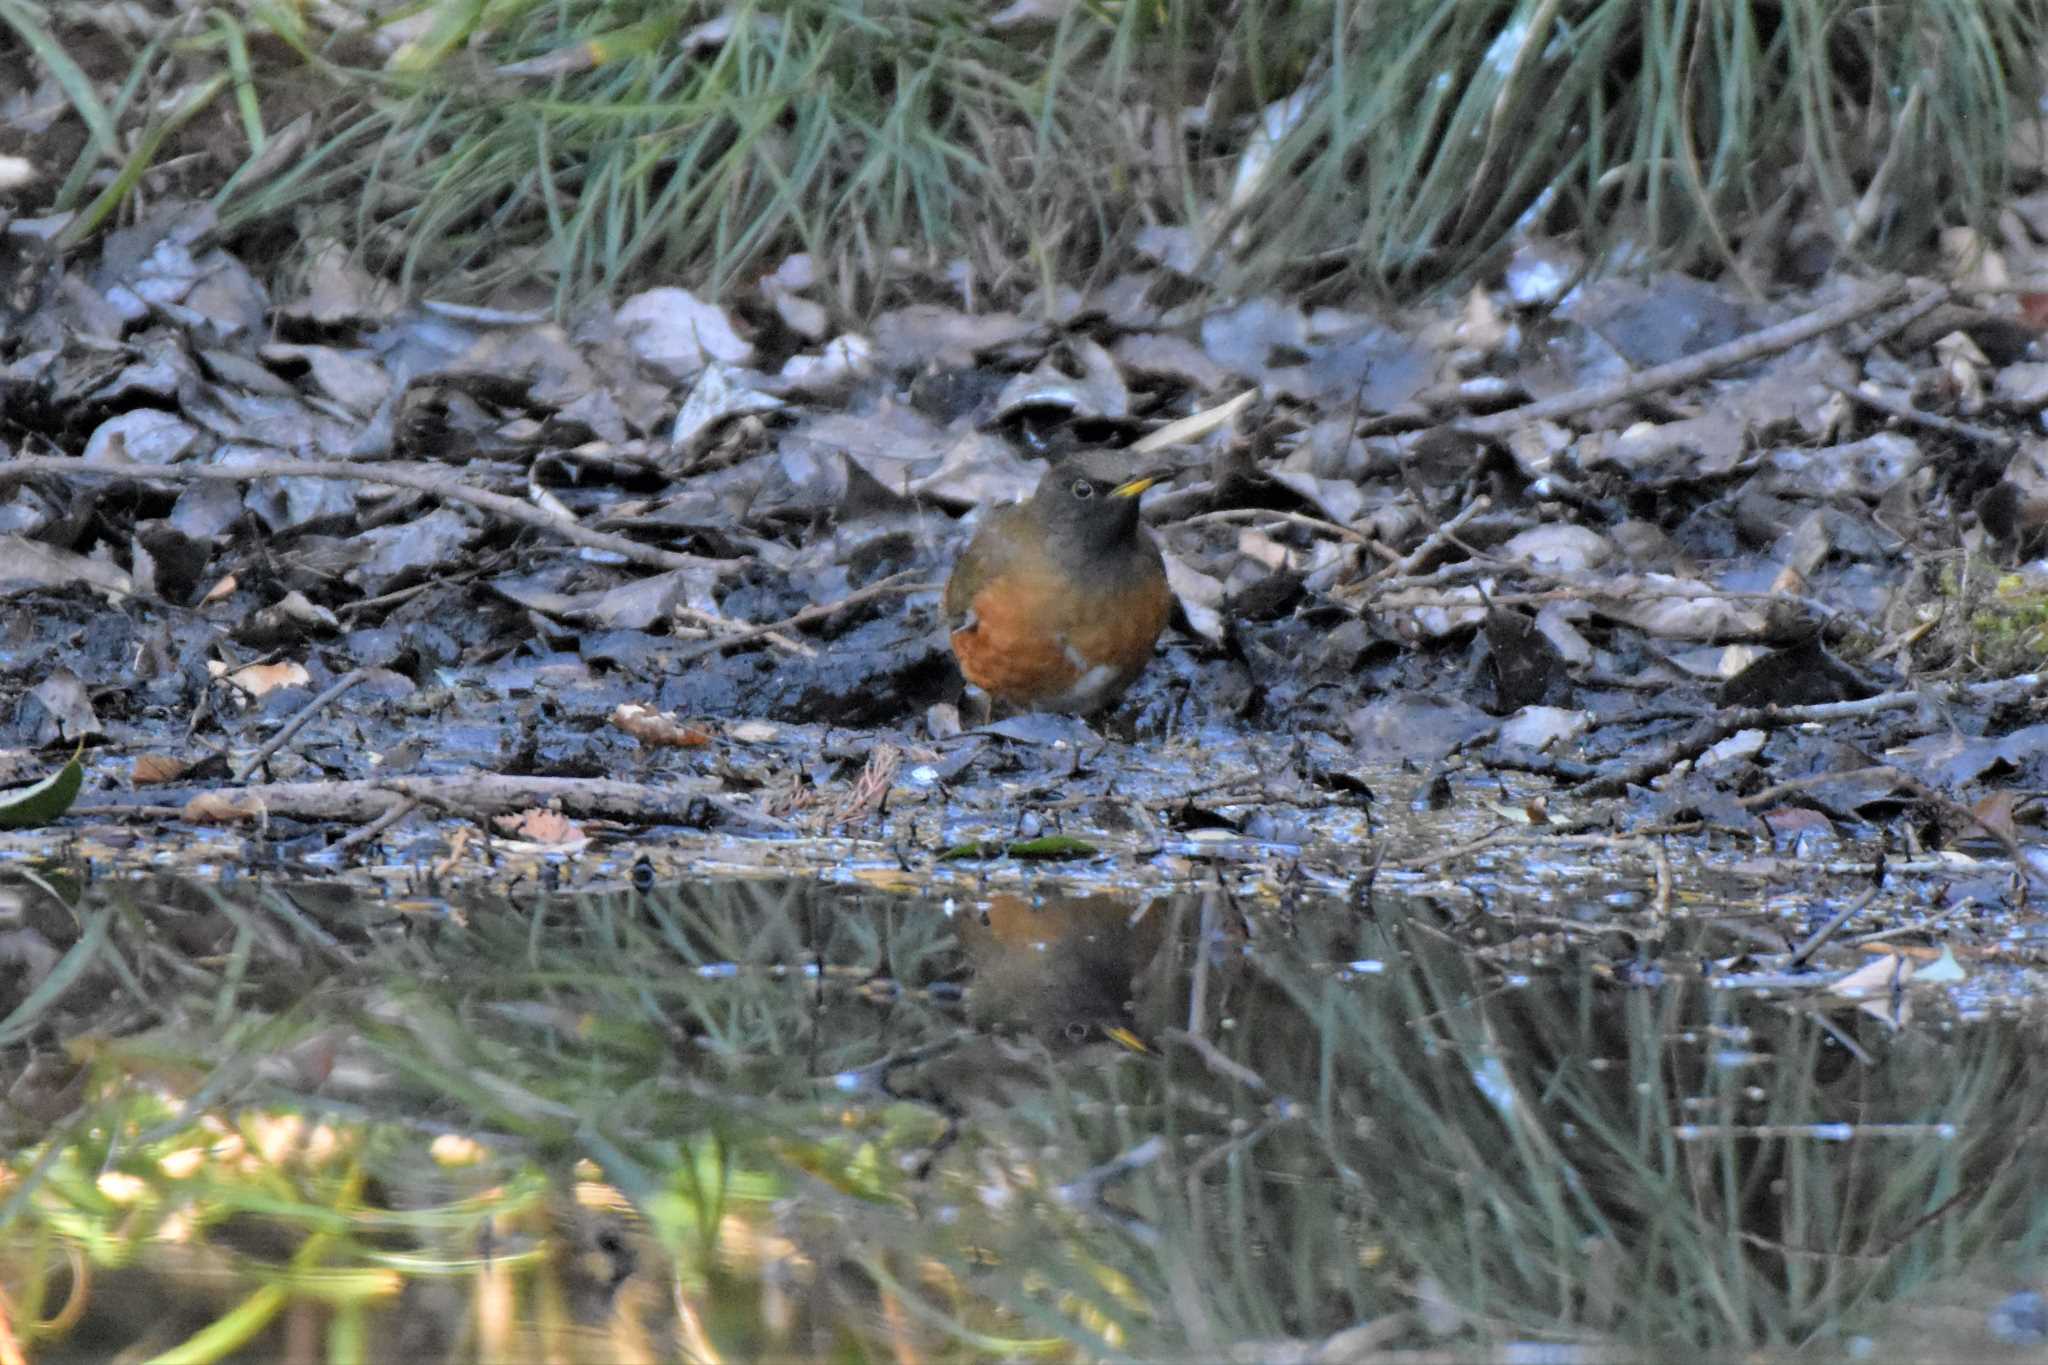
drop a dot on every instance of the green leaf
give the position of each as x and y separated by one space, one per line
1052 847
43 802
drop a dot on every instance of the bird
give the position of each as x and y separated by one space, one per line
1068 970
1057 601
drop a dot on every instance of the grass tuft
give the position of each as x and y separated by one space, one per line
589 146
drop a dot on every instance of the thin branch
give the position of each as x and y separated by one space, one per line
1711 730
298 722
1242 514
1693 368
1933 421
1434 541
1819 937
499 505
892 586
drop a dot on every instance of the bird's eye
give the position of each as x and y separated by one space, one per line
1083 489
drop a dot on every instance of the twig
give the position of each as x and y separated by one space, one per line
1871 206
2022 866
1779 790
472 795
1205 934
1622 591
364 834
393 598
1898 320
1767 341
1569 834
1085 1189
1816 940
892 586
714 624
1435 540
499 505
1234 514
1660 860
298 721
1933 421
1711 730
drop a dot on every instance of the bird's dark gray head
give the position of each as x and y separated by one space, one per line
1090 501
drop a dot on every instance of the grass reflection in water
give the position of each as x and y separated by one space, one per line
779 1119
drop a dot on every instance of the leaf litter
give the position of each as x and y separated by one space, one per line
564 564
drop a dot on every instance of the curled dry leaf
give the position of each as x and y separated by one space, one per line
540 826
154 769
1665 606
291 617
1539 727
674 332
720 394
657 729
844 359
1559 548
225 808
258 679
1201 597
1878 975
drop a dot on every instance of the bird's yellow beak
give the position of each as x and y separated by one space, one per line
1131 488
1130 1040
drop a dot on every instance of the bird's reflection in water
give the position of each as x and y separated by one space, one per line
1067 982
1066 971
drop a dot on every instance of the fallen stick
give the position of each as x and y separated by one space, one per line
500 505
1231 515
1768 341
1712 729
1897 407
1434 541
298 722
477 795
891 586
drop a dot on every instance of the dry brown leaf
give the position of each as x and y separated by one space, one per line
1877 976
151 769
657 729
541 826
257 679
1995 814
224 808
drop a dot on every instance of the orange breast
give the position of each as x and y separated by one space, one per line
1035 638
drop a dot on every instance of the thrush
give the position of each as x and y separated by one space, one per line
1058 600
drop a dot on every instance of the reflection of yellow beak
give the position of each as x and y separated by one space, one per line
1131 488
1130 1040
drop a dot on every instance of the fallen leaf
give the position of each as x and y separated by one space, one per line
223 808
541 827
656 728
44 801
151 769
259 679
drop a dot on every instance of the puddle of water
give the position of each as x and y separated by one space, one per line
791 1119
